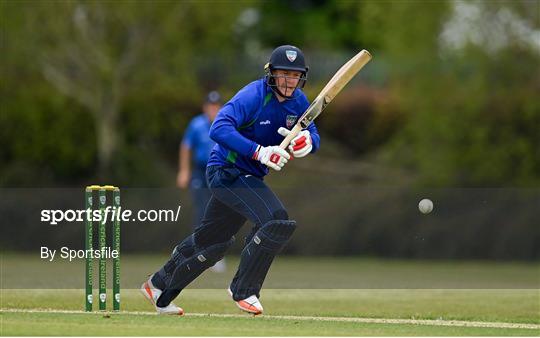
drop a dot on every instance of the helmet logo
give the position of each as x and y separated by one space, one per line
291 55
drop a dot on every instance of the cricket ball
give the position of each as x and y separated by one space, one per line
425 206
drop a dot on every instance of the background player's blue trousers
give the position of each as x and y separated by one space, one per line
200 194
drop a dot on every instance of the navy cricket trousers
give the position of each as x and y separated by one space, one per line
236 197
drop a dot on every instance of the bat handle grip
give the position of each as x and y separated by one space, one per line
287 140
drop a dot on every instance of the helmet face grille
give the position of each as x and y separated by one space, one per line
271 82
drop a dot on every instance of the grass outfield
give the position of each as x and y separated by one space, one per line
288 312
19 271
304 297
137 325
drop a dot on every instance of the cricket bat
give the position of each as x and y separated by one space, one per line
328 93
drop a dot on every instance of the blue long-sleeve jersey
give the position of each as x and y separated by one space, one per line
252 117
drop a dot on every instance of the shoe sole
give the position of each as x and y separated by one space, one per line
180 313
246 308
146 290
255 312
147 293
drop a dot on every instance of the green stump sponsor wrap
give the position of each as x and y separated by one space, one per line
116 246
89 246
102 245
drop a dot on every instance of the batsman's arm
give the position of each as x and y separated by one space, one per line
224 130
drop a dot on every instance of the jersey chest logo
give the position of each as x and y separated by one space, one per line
291 119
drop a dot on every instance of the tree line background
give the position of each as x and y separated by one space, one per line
101 91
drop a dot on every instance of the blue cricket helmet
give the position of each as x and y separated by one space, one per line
286 57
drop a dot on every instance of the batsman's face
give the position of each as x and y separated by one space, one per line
287 80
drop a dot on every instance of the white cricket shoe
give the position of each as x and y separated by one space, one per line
152 293
250 304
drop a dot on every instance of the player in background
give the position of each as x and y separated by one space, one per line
247 130
195 150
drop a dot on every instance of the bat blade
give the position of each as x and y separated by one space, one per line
328 93
334 86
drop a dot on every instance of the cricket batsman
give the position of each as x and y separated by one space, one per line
247 132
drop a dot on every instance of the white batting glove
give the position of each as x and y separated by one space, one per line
301 145
273 156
